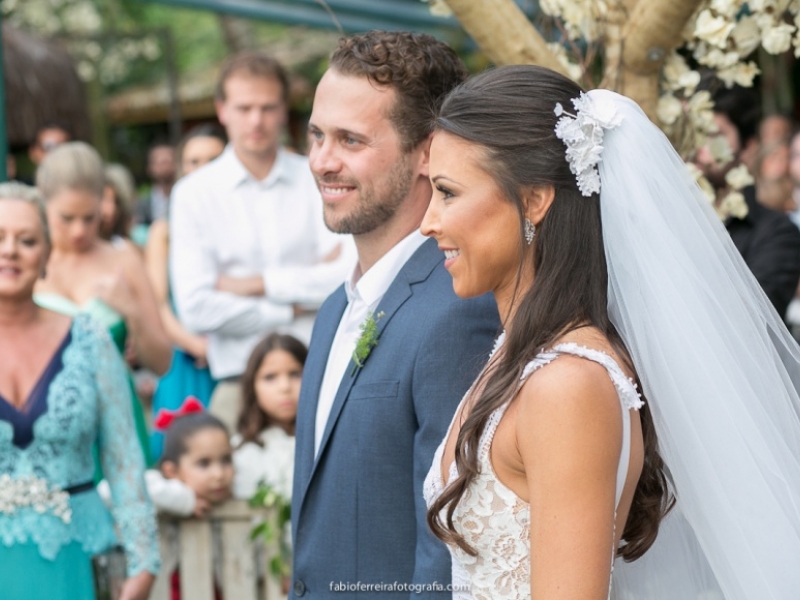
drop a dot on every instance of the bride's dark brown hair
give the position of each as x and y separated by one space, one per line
508 112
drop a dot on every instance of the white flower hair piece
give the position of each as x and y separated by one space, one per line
582 134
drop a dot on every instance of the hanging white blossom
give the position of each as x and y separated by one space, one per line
739 178
713 29
778 39
669 109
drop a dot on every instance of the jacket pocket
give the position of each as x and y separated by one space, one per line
375 389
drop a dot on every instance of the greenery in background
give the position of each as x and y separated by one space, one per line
196 35
272 530
109 37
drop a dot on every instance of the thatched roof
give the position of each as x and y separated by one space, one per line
41 87
151 103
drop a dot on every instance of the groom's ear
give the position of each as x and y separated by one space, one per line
424 163
537 201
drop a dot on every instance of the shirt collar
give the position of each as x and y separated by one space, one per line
236 173
372 285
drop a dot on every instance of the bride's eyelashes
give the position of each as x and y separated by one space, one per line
446 193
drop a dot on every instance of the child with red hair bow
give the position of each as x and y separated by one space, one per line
195 470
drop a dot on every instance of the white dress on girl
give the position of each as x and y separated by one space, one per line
272 463
492 518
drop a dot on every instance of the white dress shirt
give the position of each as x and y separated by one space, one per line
364 293
272 463
223 221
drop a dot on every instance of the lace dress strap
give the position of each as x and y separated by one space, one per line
627 389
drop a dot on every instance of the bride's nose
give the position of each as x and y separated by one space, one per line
431 222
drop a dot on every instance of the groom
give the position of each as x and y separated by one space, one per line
393 350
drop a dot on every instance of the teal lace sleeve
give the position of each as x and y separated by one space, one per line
123 464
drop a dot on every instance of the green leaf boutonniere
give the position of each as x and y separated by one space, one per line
367 341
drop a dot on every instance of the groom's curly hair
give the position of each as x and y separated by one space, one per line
418 67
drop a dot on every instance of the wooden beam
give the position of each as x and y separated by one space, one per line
653 30
650 34
504 33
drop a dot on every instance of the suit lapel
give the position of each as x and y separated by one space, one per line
392 300
416 269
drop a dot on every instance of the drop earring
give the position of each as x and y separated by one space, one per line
530 231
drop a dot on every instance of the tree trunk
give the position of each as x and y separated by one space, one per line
238 33
652 31
504 32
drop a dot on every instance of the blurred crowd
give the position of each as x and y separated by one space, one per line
135 221
207 284
767 235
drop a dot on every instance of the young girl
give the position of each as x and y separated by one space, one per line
197 458
195 471
265 440
197 452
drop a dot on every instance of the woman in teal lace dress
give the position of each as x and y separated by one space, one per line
86 274
63 390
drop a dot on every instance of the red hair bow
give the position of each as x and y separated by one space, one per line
165 417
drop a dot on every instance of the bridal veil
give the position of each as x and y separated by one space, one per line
720 372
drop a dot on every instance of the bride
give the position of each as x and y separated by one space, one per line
640 412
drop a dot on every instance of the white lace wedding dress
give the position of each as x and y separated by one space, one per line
492 518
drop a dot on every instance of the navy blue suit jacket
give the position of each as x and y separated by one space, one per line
358 515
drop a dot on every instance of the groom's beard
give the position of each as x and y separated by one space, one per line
376 203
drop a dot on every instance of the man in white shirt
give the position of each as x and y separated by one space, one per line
394 349
248 245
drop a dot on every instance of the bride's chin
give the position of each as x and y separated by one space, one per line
464 291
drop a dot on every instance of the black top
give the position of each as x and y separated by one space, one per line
36 404
769 242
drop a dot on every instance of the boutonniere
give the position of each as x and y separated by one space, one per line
367 341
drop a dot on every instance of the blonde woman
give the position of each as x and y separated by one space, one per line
86 274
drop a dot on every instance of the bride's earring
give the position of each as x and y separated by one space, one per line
530 231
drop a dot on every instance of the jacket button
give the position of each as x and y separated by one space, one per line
299 588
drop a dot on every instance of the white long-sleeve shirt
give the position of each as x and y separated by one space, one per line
223 221
272 463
